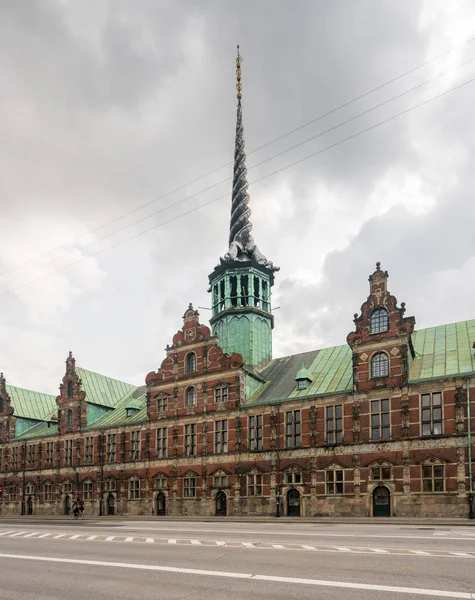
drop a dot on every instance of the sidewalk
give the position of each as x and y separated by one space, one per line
426 522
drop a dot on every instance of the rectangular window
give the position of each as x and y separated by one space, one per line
381 473
111 447
190 439
87 490
134 489
221 437
110 485
162 442
221 394
162 403
135 445
221 481
255 432
431 414
68 453
380 422
433 478
89 451
334 480
14 458
334 424
49 454
292 429
254 485
12 493
293 477
67 487
31 456
48 492
160 483
189 487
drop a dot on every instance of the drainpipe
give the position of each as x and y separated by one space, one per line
471 512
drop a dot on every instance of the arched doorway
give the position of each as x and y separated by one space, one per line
161 504
29 506
67 505
381 502
220 504
293 503
111 505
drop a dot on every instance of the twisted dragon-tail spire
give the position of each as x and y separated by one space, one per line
241 243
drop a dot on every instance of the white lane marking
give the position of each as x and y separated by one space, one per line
463 554
252 576
60 535
43 536
248 544
421 552
195 542
149 540
129 539
278 546
379 550
31 534
172 541
6 532
75 537
218 543
309 547
110 538
91 537
342 549
17 534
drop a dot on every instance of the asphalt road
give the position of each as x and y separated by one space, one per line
105 560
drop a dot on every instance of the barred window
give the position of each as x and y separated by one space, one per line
162 403
255 432
381 473
292 428
189 487
221 437
191 362
87 490
334 481
89 451
379 321
111 447
68 453
380 420
221 394
49 453
190 439
254 484
380 365
431 413
334 424
293 477
48 491
135 445
134 489
433 478
162 442
191 396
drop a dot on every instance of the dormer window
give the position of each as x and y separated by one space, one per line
379 321
70 389
190 363
303 378
380 365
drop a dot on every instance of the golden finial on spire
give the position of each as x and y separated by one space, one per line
238 75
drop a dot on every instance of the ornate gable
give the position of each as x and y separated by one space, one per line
7 425
381 342
72 410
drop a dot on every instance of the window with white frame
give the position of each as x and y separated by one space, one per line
431 414
162 442
380 420
255 432
111 447
87 490
110 485
221 393
292 428
189 486
220 480
334 424
254 484
221 436
379 321
162 403
49 453
89 450
380 473
67 487
134 489
190 439
48 491
30 489
292 477
334 480
12 493
191 396
160 482
68 453
190 362
380 365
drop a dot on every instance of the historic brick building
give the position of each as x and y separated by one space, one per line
377 426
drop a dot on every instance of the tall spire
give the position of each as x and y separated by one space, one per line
241 243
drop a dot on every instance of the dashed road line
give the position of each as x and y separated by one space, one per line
237 544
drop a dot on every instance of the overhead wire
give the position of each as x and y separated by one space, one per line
275 172
266 160
217 169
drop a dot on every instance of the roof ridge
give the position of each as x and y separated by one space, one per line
106 376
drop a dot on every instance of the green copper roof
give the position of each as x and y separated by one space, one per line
137 399
39 430
31 405
103 390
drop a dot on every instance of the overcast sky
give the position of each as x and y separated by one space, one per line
106 106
